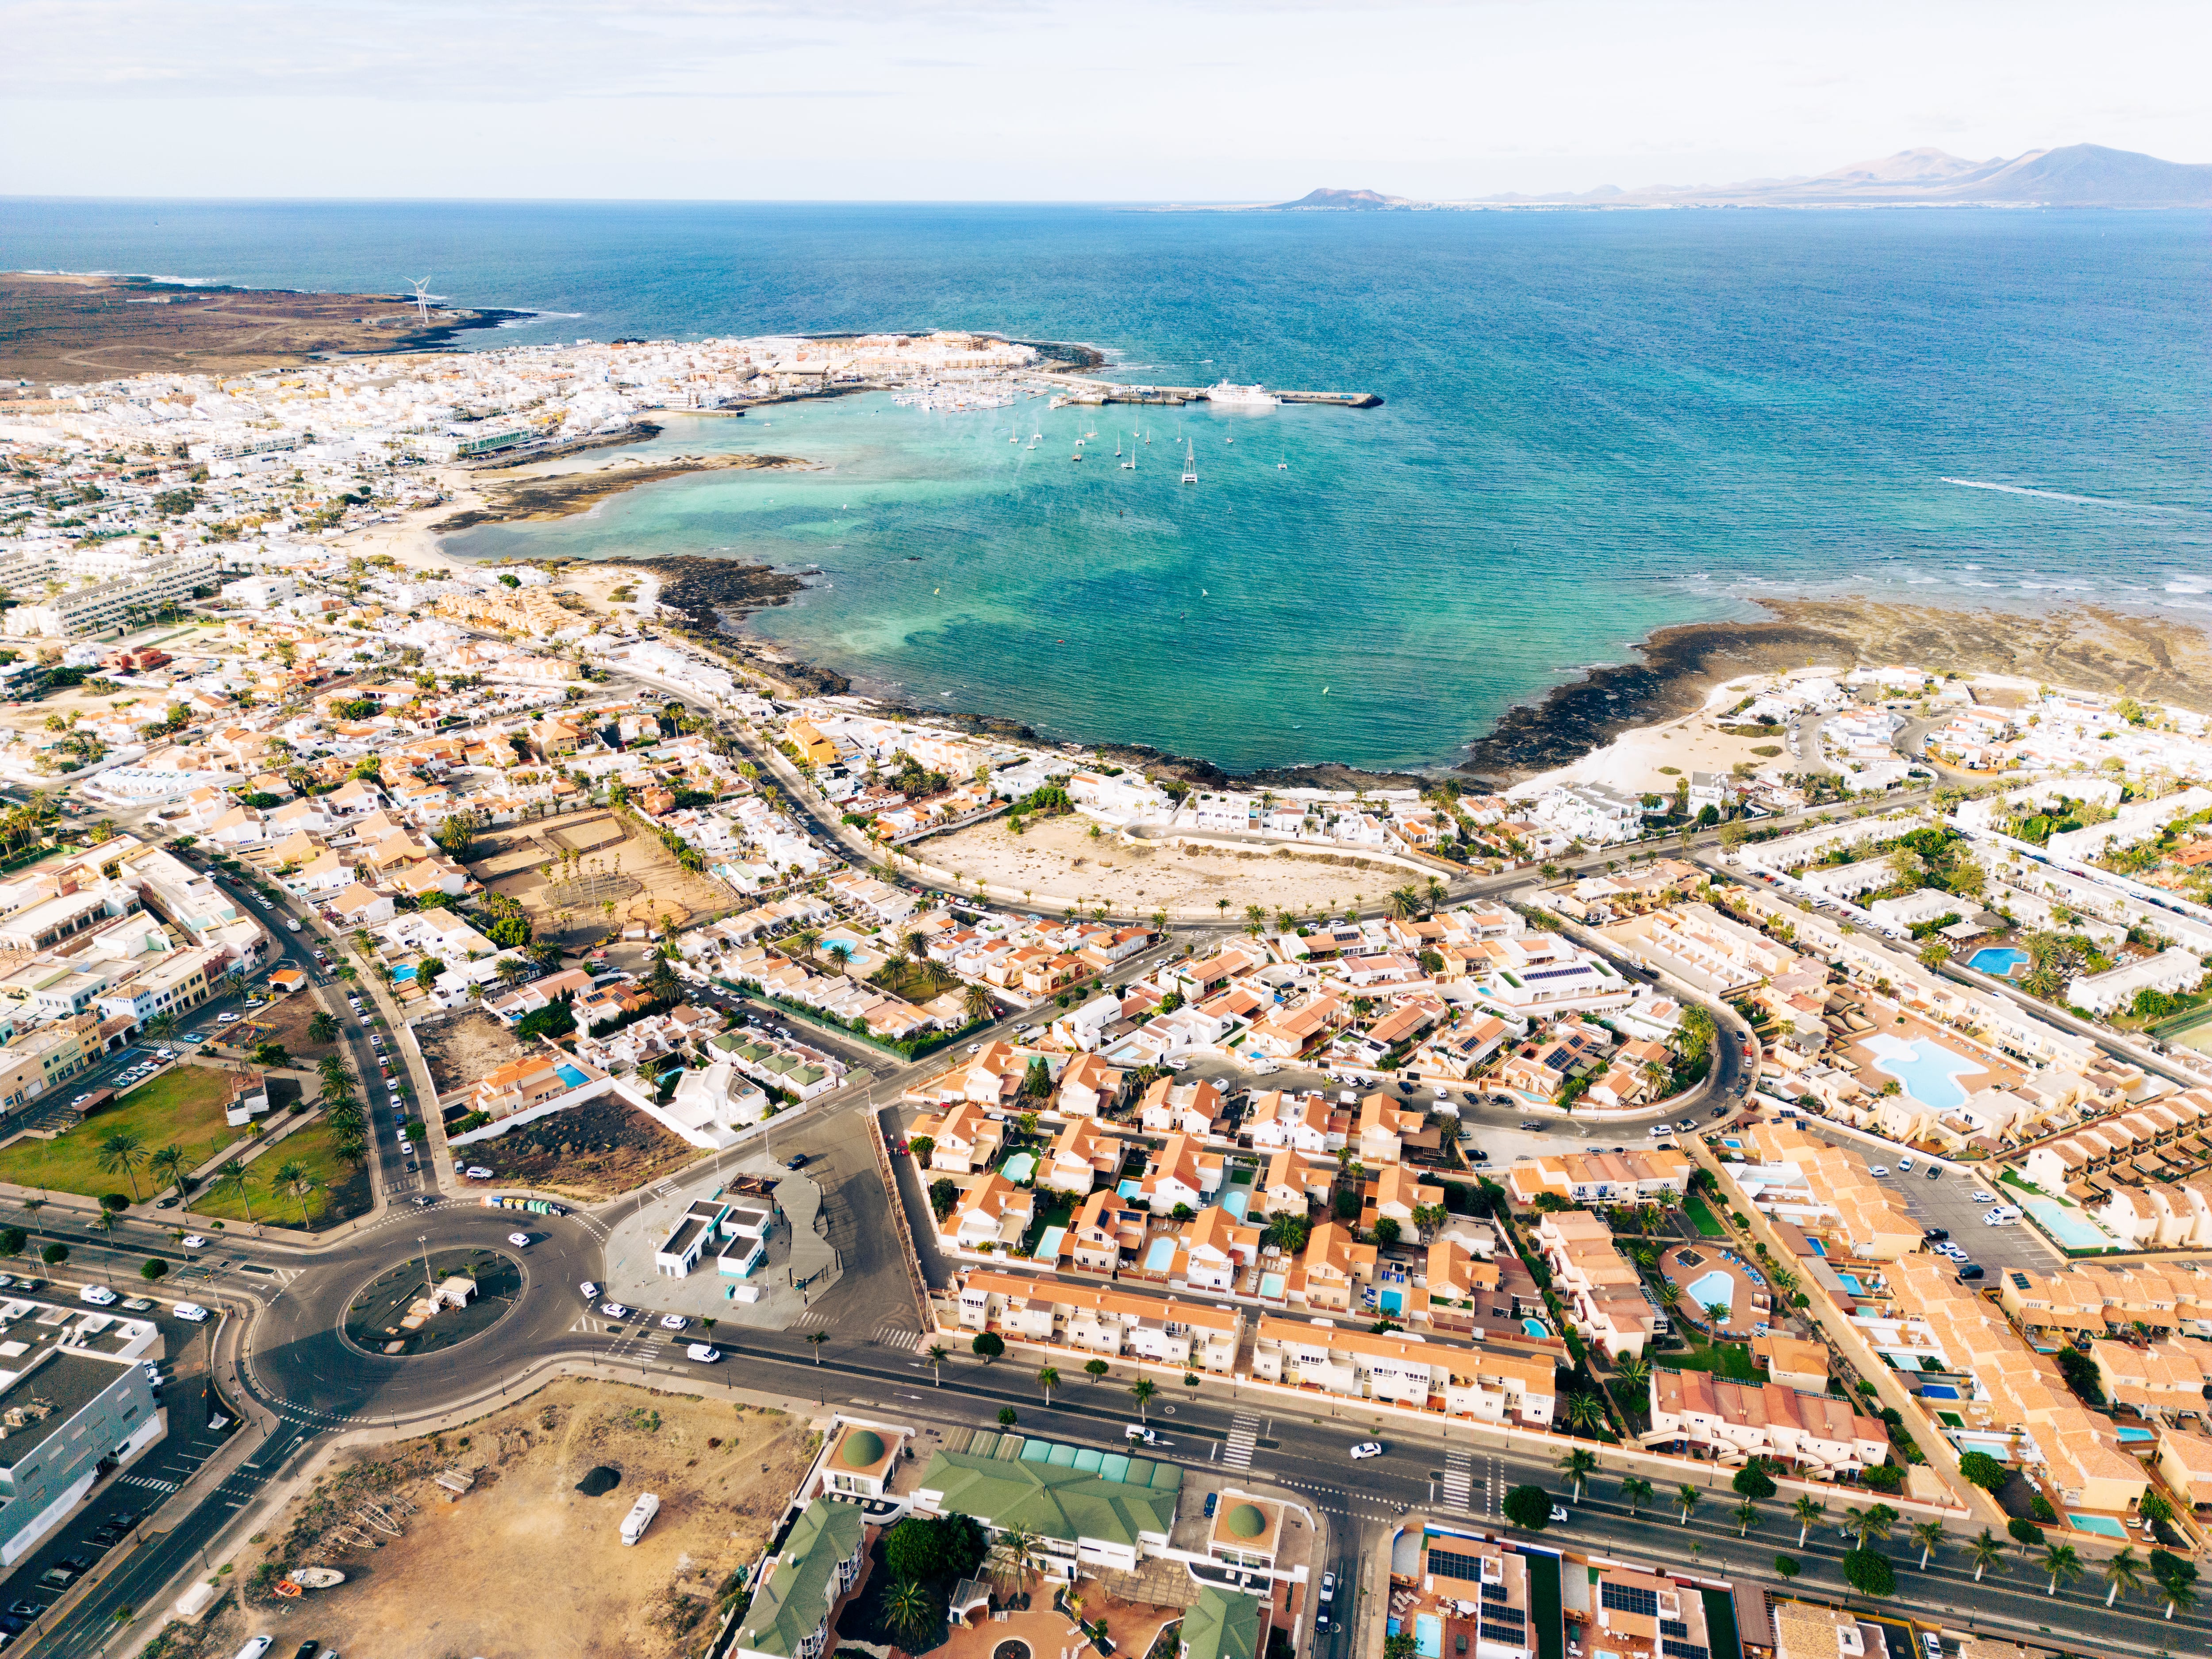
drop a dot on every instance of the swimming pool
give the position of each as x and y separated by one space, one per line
1938 1391
2002 961
403 973
1428 1636
2133 1434
1715 1287
2069 1227
1159 1255
1236 1201
1128 1189
571 1076
1048 1242
1850 1282
2103 1525
1018 1168
1271 1287
1536 1327
1929 1071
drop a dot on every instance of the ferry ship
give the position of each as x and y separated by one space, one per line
1240 396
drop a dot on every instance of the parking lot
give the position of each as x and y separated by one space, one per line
1949 1202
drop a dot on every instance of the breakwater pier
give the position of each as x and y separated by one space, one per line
1080 390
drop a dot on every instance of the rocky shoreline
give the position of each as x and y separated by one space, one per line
558 496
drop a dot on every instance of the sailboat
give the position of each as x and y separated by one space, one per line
1079 450
1190 464
1282 466
1130 465
1117 445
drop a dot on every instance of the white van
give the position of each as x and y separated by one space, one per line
256 1648
1904 1164
639 1516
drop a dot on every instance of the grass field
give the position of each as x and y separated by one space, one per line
1702 1217
184 1106
1731 1360
341 1189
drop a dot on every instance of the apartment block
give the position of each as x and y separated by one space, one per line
1112 1324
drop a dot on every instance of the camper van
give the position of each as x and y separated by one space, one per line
639 1516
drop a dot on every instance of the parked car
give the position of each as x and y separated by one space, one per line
1935 1235
1328 1587
190 1312
1212 1503
1558 1511
1879 1170
1968 1273
673 1321
99 1295
1137 1431
477 1172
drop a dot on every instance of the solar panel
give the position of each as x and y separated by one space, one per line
1493 1592
1674 1627
1630 1598
1682 1650
1448 1564
1575 971
1504 1615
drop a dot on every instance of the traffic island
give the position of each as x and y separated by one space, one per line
429 1304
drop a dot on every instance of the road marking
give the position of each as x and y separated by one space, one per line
1243 1435
1459 1480
890 1336
810 1318
147 1481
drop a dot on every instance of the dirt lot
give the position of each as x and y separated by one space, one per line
665 887
524 1565
593 1150
285 1021
1056 860
463 1046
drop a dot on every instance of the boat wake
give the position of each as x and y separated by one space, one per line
2054 495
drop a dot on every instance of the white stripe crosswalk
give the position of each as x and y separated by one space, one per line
146 1480
1459 1480
892 1336
1243 1435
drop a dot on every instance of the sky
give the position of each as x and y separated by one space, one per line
1060 100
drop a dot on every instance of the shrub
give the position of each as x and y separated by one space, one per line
2040 1507
12 1240
1786 1567
1985 1471
54 1254
987 1345
1751 1481
115 1200
153 1269
2021 1530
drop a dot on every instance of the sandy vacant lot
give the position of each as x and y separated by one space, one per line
514 861
1056 862
1693 743
524 1566
463 1046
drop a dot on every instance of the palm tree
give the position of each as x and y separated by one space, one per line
106 1222
163 1025
975 1002
910 1610
1928 1535
2124 1572
1634 1372
2060 1561
1718 1313
1016 1553
1405 903
1635 1491
815 1340
1142 1390
234 1178
1809 1511
938 1355
1985 1551
1870 1525
1583 1411
123 1152
1685 1500
292 1177
1746 1513
1579 1464
2180 1595
168 1166
1048 1379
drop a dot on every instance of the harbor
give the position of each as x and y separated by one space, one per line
1084 390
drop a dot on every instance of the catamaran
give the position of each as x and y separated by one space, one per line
1190 464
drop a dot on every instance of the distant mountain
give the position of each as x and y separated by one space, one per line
1340 201
2078 175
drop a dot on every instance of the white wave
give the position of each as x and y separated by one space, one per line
2187 584
2054 495
1921 581
2057 587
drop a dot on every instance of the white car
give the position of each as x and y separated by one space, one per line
99 1295
190 1312
193 1242
1558 1511
702 1353
1328 1587
614 1310
1879 1170
226 1018
520 1241
673 1321
589 1290
1980 1197
1367 1449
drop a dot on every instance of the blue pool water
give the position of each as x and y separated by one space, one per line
1391 1302
1938 1391
1714 1286
2000 960
1271 1287
1819 1249
1536 1327
2069 1227
1047 1247
1235 1200
1428 1636
1128 1189
1929 1071
403 973
1159 1255
1850 1282
2131 1434
1018 1168
2103 1525
571 1076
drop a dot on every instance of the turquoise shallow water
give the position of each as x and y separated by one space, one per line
1596 423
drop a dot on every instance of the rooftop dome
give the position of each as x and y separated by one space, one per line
1246 1521
864 1448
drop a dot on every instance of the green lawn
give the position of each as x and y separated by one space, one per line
1731 1360
184 1107
341 1189
1702 1217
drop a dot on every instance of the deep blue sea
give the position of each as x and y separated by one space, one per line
1595 424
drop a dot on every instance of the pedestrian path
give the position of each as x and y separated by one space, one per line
893 1336
1243 1435
809 1320
1459 1480
150 1482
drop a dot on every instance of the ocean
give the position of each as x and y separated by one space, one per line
1595 424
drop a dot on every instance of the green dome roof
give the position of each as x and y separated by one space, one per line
864 1448
1246 1521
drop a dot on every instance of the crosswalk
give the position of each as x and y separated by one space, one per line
1243 1435
810 1320
150 1482
892 1336
1459 1480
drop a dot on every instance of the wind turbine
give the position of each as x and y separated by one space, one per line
423 297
